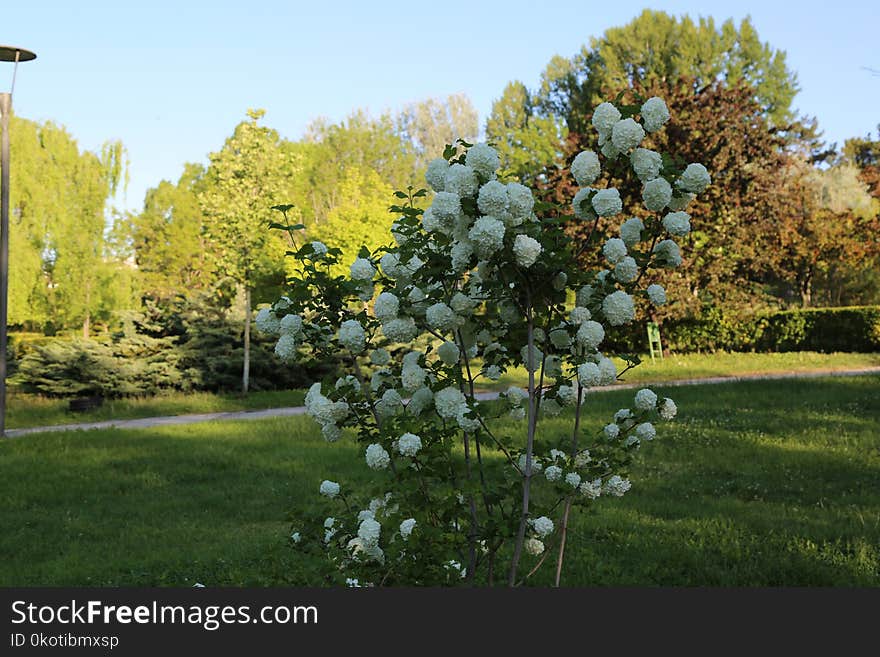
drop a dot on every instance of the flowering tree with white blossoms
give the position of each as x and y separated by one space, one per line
471 286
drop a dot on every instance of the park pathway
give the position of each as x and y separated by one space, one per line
147 422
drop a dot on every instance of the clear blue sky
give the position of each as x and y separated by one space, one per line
172 79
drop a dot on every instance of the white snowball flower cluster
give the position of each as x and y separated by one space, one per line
446 206
406 527
409 444
533 546
626 270
412 376
677 223
521 203
462 304
582 459
449 353
402 329
389 404
380 357
618 308
627 134
611 431
461 255
461 180
553 473
377 458
591 489
493 199
631 231
646 431
421 400
542 526
656 294
319 249
667 409
579 315
588 375
537 466
586 168
352 336
590 335
573 479
368 534
656 194
291 325
267 321
362 270
607 371
441 317
616 486
329 488
386 306
487 236
566 395
646 163
483 159
645 400
604 118
581 205
654 114
526 250
537 356
607 203
286 348
435 176
667 253
449 402
694 179
614 249
322 410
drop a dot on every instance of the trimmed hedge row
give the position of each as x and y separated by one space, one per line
853 329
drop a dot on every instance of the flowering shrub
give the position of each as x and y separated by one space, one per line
474 285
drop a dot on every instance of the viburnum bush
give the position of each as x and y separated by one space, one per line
474 285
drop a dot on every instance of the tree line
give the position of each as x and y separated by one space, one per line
793 221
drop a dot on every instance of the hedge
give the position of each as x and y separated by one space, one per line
855 329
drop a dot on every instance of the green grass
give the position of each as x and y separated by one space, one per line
754 484
33 410
24 410
688 366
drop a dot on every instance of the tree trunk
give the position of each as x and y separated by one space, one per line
246 371
86 326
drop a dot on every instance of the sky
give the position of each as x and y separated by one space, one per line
172 79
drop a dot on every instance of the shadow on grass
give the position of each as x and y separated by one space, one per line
759 483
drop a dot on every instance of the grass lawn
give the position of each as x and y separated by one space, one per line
755 484
25 410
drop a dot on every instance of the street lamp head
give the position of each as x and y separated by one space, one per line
13 54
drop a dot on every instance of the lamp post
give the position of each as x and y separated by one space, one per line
16 55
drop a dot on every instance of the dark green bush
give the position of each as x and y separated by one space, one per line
179 345
854 329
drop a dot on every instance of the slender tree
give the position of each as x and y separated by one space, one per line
249 175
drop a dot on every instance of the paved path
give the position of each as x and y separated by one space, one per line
147 422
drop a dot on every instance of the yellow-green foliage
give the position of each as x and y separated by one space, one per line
360 216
